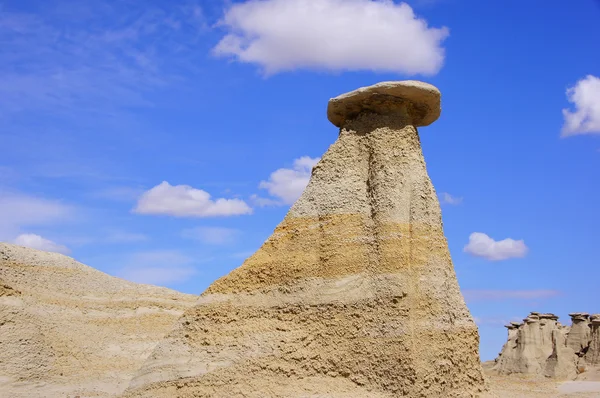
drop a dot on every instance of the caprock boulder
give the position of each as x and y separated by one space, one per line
354 294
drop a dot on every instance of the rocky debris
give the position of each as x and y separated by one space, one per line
354 294
542 346
67 329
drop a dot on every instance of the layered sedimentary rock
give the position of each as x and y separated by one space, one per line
354 294
67 329
542 346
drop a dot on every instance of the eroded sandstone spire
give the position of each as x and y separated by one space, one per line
354 294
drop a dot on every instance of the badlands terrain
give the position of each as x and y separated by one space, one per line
67 329
353 295
90 338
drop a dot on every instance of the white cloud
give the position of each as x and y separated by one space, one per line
288 184
20 210
446 198
185 201
585 96
486 295
481 245
37 242
377 35
158 267
211 235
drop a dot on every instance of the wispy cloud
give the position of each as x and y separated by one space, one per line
487 295
377 35
158 267
74 76
92 58
494 321
18 211
186 201
211 235
481 245
446 198
125 237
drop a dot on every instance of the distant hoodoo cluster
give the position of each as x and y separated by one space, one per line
540 345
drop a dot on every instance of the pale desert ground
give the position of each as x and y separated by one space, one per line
530 387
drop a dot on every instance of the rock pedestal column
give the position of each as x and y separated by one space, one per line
592 356
579 335
354 294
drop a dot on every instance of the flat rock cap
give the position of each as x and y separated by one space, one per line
421 100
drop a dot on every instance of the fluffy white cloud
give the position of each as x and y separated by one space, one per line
485 295
585 96
446 198
288 184
481 245
377 35
185 201
158 267
37 242
211 235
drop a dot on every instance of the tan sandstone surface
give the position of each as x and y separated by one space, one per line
354 294
69 330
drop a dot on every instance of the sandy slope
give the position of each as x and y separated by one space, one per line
67 329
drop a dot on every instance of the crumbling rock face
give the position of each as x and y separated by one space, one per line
354 294
542 346
67 329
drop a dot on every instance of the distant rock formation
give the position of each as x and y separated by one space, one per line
354 294
69 330
542 346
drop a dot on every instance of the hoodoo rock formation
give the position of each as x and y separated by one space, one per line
542 346
68 330
354 294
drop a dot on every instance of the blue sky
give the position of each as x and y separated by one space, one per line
163 143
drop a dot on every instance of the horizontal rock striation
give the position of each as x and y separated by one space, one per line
67 329
353 295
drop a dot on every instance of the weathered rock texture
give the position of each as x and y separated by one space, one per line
354 294
67 329
542 346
